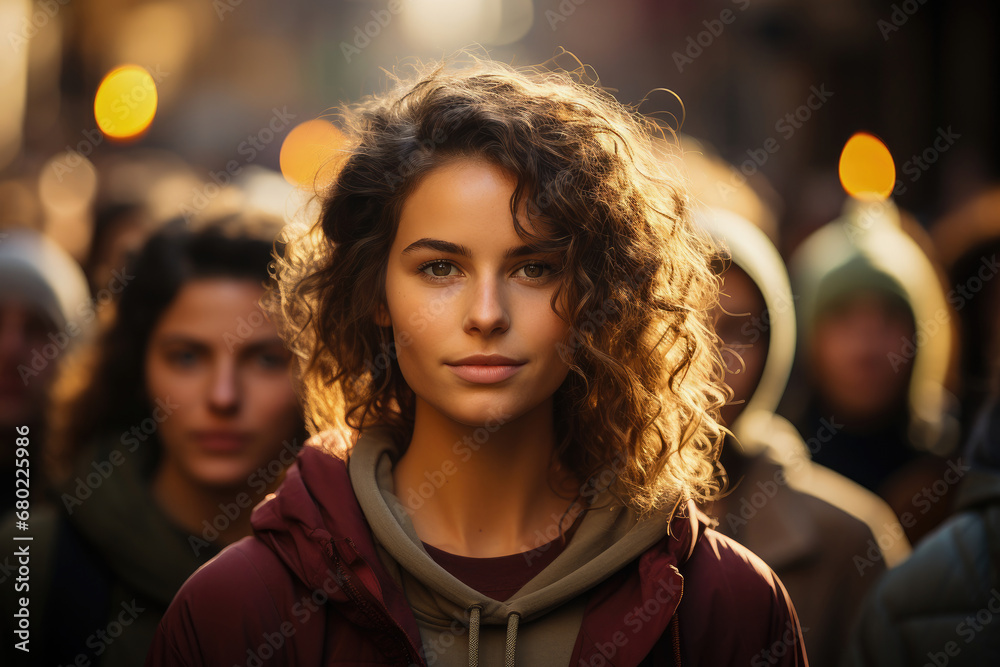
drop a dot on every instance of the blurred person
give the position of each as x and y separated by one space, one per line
941 606
138 191
862 320
45 311
119 233
183 419
876 353
815 528
505 301
968 240
718 185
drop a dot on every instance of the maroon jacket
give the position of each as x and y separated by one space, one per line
308 590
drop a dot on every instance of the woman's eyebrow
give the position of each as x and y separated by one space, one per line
179 339
521 251
457 249
265 345
439 245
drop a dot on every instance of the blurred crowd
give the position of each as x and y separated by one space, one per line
863 353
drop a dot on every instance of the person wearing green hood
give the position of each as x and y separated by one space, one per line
877 354
177 421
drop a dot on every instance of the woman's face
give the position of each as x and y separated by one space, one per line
738 314
859 358
220 375
461 284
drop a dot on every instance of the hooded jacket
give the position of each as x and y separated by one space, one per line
38 274
814 527
760 431
335 575
873 245
941 606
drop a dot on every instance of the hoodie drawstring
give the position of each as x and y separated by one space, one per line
511 648
474 636
511 637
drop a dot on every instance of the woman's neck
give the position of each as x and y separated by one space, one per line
485 491
219 516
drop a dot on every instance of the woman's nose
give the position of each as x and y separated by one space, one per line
487 311
224 391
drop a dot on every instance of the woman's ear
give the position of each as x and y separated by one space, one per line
382 318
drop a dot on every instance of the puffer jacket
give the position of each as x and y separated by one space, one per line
942 605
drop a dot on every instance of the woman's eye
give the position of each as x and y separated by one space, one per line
536 270
182 358
272 360
438 269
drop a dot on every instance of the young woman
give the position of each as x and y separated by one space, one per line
505 302
186 418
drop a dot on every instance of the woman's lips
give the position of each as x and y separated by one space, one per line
485 373
221 442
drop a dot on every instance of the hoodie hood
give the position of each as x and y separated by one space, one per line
753 252
34 269
326 512
606 540
868 242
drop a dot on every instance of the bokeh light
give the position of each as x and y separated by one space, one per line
866 168
452 24
68 183
307 153
125 102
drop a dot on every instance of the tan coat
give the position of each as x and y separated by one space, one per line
821 533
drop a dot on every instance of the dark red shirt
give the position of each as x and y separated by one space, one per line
502 576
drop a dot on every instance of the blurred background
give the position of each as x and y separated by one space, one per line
902 70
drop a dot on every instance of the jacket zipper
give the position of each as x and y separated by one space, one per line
367 605
675 621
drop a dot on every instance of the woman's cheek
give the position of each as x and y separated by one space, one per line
417 323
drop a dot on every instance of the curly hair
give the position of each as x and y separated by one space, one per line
638 412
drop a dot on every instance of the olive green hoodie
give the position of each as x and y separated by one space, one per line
541 620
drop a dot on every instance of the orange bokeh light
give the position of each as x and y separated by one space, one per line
866 168
308 152
125 102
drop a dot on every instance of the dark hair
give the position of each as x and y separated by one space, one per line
102 392
980 370
644 388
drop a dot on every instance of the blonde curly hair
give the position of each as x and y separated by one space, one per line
638 412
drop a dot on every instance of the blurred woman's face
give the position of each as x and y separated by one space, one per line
218 370
859 358
24 329
737 322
